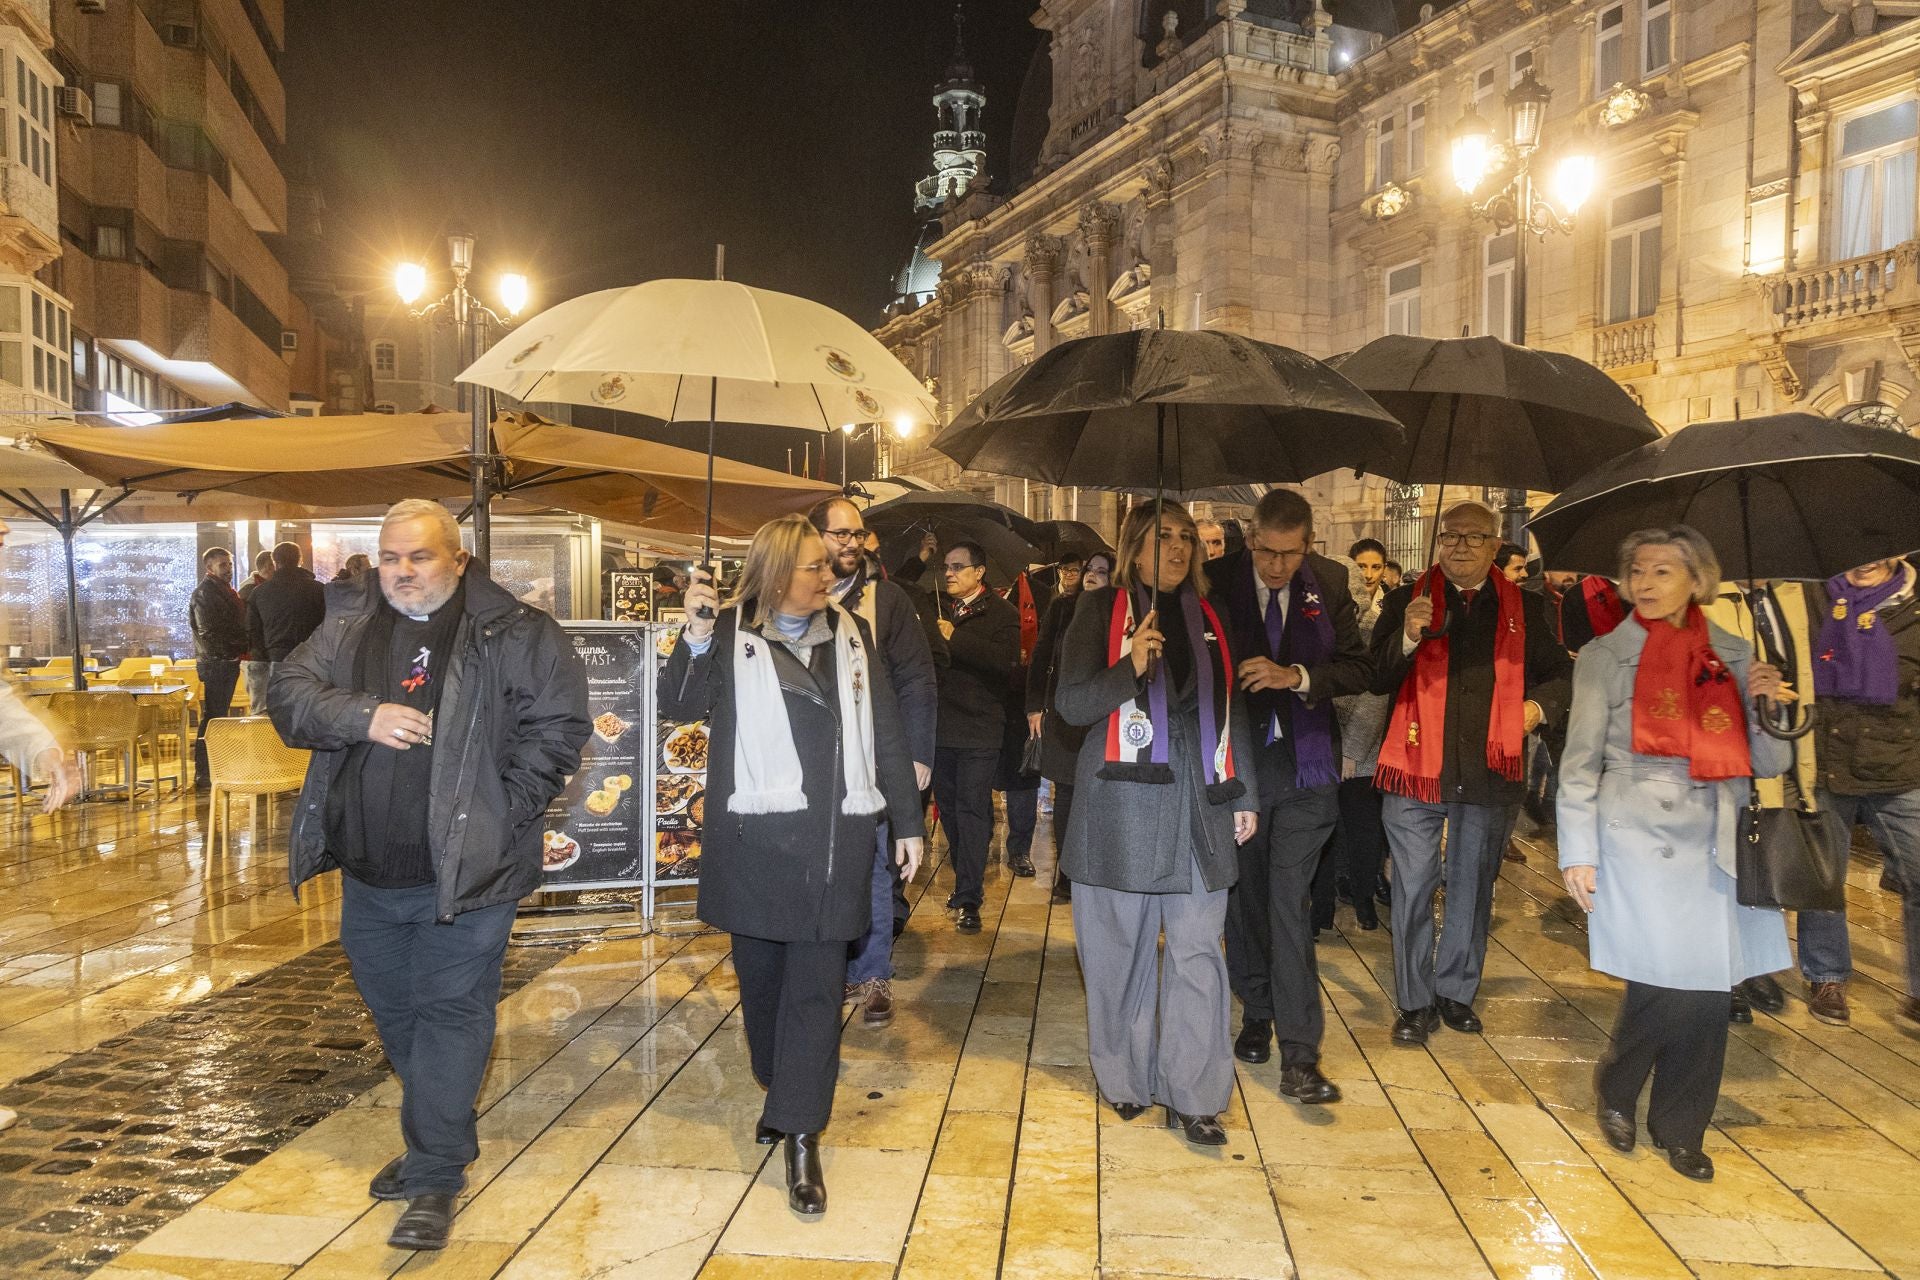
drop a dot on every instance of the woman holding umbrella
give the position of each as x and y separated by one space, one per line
1660 760
806 753
1159 808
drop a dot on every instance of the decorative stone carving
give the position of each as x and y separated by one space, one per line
1170 41
1322 151
1157 173
985 278
1043 255
1773 359
1099 224
1390 201
1624 104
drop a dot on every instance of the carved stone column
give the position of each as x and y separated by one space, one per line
1043 265
1099 225
1158 175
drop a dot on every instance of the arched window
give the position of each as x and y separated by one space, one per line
386 359
1872 413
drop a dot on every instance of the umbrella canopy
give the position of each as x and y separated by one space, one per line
688 350
1004 534
376 459
1058 539
1169 408
1479 411
1790 495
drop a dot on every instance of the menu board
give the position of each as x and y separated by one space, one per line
680 780
595 827
630 596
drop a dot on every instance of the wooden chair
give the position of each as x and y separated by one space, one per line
103 720
245 757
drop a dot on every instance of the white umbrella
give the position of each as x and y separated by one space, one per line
688 350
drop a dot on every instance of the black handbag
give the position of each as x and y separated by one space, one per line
1786 859
1030 758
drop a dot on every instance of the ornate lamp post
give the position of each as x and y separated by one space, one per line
472 321
903 428
1515 202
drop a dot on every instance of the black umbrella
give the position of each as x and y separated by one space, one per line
1004 534
1059 539
1179 410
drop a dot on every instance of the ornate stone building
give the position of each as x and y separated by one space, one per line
1280 168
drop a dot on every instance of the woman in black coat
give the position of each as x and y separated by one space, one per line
1059 741
791 810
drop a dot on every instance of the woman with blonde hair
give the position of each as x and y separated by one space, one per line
1160 804
805 755
1660 761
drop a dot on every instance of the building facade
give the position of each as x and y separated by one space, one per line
173 128
1280 168
35 320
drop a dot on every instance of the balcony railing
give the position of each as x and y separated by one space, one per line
1840 290
1629 342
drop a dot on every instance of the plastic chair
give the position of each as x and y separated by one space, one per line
163 715
107 720
245 757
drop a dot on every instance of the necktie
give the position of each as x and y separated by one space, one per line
1276 625
1466 597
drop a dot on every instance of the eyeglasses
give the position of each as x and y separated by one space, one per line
1267 553
1474 540
957 568
818 566
843 535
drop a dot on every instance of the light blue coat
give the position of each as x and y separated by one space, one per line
1665 912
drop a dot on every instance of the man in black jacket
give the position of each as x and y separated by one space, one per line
1297 646
282 612
1452 759
982 632
911 663
443 716
219 621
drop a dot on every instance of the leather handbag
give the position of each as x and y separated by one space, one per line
1030 758
1786 859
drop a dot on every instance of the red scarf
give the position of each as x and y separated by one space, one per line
1686 704
1411 756
1605 609
1022 596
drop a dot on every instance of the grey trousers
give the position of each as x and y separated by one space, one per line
1270 955
1157 1025
1444 959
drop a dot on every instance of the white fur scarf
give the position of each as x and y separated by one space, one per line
766 769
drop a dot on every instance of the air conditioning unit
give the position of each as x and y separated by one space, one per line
289 341
75 103
181 35
91 6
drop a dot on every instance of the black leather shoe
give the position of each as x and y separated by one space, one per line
765 1135
386 1183
1616 1127
1686 1161
1739 1011
1062 892
806 1185
1129 1110
1764 993
969 921
1255 1042
1023 867
1365 916
1413 1026
1383 893
1202 1131
1308 1085
425 1224
1460 1017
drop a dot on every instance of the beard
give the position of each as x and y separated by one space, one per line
425 604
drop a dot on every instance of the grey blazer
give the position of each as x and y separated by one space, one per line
1143 837
1663 844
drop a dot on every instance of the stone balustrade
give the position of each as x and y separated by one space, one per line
1840 290
1629 342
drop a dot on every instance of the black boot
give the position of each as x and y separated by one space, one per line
806 1185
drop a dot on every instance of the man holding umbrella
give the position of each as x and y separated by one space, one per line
1297 645
1466 693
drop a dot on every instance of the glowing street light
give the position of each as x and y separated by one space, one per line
409 281
514 291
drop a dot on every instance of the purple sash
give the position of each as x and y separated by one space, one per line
1855 658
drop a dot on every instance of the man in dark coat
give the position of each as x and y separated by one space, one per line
1462 701
282 612
437 842
219 621
912 670
1296 645
982 632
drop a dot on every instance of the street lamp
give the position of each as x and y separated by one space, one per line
470 319
1516 203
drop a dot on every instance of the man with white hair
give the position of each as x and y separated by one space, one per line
1473 667
436 844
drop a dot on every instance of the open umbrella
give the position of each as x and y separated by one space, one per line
1179 410
1059 539
1007 537
712 350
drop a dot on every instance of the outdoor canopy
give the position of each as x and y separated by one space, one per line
374 459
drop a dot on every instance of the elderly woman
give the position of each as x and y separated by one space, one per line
1660 760
806 754
1059 741
1159 806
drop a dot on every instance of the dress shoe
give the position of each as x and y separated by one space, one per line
425 1223
386 1184
1201 1131
765 1134
1616 1127
1383 893
850 995
1460 1017
1022 866
953 902
1255 1042
1764 993
1741 1011
1827 1001
879 1010
1062 890
969 921
806 1185
1129 1110
1365 916
1413 1026
1514 852
1889 880
1308 1085
1686 1161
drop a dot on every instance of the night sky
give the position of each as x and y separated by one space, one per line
594 143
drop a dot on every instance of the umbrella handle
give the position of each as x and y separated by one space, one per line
705 611
1763 709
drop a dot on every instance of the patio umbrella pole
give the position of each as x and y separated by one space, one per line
73 590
